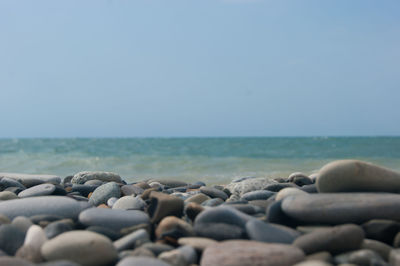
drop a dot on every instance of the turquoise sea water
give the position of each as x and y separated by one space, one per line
214 160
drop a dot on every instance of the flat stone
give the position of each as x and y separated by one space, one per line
223 214
198 243
58 227
357 176
11 238
113 219
279 186
129 203
132 240
257 195
340 208
142 261
247 185
64 207
104 192
198 198
7 195
83 247
7 182
335 240
26 177
82 177
219 231
162 205
39 190
214 193
270 233
250 253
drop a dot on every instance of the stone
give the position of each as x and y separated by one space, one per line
56 205
84 190
300 179
219 231
172 227
6 182
173 257
7 195
142 261
212 202
257 195
396 240
12 261
223 214
245 208
157 248
22 223
26 177
199 198
58 227
379 247
270 233
94 182
129 203
394 257
132 240
29 253
274 214
335 240
340 208
289 191
35 237
313 263
198 243
104 192
214 193
381 230
309 188
11 238
58 263
357 176
111 201
137 252
247 185
321 256
162 205
192 210
93 249
131 190
4 219
279 186
250 253
360 257
82 177
39 190
111 234
170 182
112 219
189 254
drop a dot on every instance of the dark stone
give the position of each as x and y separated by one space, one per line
223 214
257 195
212 202
192 209
157 248
39 190
11 239
55 228
361 257
273 233
381 230
279 186
309 188
275 214
219 231
214 193
84 190
335 240
6 182
172 227
162 205
128 190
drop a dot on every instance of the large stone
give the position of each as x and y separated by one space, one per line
250 253
104 192
381 230
272 233
83 247
39 190
357 176
335 240
82 177
113 219
340 208
64 207
29 177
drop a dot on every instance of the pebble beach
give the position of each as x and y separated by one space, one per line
347 213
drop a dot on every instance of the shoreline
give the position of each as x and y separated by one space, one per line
346 213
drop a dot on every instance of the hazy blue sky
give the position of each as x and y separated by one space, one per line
199 68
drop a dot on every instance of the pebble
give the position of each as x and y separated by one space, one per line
360 257
270 233
172 227
128 190
111 234
279 186
104 192
198 198
84 190
381 230
7 195
289 191
219 231
58 227
132 240
83 177
112 219
170 182
212 202
55 205
173 257
357 176
129 203
82 247
11 238
214 193
340 208
142 261
257 195
22 223
29 177
335 240
162 205
39 190
198 243
9 182
157 248
223 214
379 247
248 185
250 253
13 261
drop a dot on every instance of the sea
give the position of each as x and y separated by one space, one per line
212 160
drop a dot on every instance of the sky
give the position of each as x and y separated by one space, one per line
149 68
